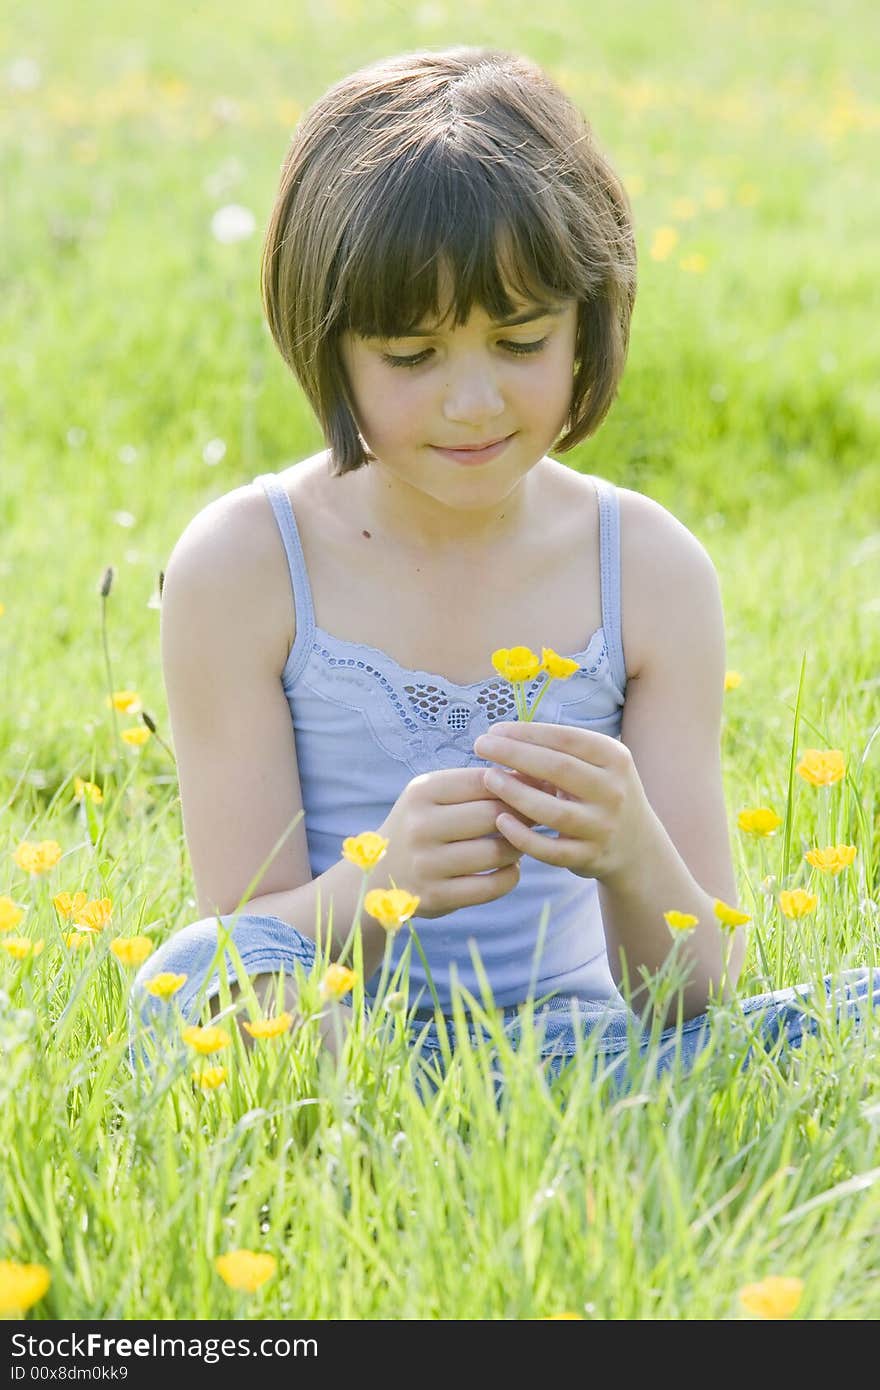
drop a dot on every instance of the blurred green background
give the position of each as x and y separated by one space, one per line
138 379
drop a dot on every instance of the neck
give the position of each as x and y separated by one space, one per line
401 515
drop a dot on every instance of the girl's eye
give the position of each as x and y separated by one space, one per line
518 349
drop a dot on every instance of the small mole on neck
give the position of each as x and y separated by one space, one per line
367 534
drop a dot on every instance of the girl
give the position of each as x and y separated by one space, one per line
449 271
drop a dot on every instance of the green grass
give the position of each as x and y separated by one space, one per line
749 407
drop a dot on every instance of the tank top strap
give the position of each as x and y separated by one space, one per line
609 575
296 563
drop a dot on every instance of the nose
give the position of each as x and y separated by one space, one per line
472 397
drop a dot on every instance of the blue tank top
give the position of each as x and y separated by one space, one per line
364 726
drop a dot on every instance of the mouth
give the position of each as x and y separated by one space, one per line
475 454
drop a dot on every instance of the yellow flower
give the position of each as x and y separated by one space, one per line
732 679
137 736
364 850
68 905
391 907
206 1040
695 263
245 1269
832 859
132 950
681 921
664 241
2 609
210 1078
795 902
730 916
516 663
95 915
165 984
337 981
126 701
684 209
558 668
555 1317
21 946
774 1297
747 194
269 1027
761 820
89 789
37 858
822 766
11 914
715 198
21 1286
73 940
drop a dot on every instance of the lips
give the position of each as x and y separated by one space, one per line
473 448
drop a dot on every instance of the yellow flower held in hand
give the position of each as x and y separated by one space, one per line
391 907
822 766
681 921
11 914
245 1269
832 859
269 1027
730 916
516 663
364 850
165 984
795 902
21 1286
206 1040
761 820
37 858
210 1078
21 946
773 1297
558 668
337 981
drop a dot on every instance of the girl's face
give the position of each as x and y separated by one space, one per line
449 388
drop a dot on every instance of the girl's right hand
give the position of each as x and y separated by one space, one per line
443 843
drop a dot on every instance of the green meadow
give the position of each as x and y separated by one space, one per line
138 382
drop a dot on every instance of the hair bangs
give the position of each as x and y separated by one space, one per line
446 240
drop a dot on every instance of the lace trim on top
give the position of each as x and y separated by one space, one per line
435 700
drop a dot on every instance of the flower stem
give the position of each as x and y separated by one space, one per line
109 671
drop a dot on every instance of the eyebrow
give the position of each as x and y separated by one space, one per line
540 311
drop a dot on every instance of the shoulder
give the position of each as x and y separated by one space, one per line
232 550
668 580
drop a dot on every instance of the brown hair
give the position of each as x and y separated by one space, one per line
465 155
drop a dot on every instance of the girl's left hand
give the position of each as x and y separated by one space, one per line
598 807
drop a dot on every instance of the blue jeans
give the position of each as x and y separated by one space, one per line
266 944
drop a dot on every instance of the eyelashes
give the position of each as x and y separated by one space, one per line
516 349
